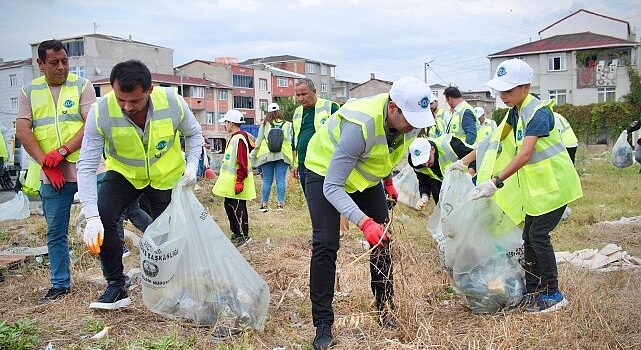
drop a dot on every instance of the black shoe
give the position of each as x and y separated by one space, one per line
324 338
114 297
241 241
386 316
53 294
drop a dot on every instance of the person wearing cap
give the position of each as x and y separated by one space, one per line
236 181
439 118
138 126
568 137
308 117
429 157
347 158
487 126
532 179
273 164
463 124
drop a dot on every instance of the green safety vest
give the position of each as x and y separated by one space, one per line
567 134
439 128
159 163
378 160
226 181
322 111
548 180
54 125
446 155
485 130
455 126
286 149
4 153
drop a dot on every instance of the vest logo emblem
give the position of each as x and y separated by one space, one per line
501 72
424 102
323 120
161 145
227 157
68 103
519 135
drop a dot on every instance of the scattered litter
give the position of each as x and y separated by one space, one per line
341 294
49 346
135 239
103 333
280 348
622 152
134 275
635 220
566 213
610 258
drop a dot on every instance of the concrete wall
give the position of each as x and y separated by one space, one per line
24 75
587 22
370 88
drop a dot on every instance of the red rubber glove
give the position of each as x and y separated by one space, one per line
55 176
390 189
238 187
53 158
373 232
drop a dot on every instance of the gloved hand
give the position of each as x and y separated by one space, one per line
238 187
55 176
458 165
486 189
252 154
53 158
189 176
373 232
390 189
94 234
420 205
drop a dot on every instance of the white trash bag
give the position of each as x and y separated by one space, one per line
15 209
191 270
622 151
406 184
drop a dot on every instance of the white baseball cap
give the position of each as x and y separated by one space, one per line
273 107
479 111
420 151
413 97
511 73
233 116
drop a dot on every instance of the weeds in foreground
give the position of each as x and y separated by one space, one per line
20 335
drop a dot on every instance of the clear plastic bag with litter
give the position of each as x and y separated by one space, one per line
16 208
406 184
622 151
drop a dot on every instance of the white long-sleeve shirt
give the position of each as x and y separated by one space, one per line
93 144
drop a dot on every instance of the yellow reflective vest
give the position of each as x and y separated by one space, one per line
446 155
378 160
55 124
226 181
286 149
567 134
4 153
485 130
439 128
31 185
322 111
455 127
548 180
157 161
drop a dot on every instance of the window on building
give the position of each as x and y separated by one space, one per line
78 70
606 94
332 71
14 103
281 82
559 95
243 102
556 62
222 95
323 70
197 91
75 48
243 81
210 118
13 80
263 105
262 84
323 88
310 68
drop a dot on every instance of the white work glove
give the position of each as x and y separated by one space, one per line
252 154
189 177
420 205
458 165
94 235
486 189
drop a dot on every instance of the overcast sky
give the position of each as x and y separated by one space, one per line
389 38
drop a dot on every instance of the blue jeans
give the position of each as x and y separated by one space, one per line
276 169
56 206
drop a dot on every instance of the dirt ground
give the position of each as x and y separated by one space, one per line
603 313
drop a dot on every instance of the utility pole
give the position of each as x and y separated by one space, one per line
427 65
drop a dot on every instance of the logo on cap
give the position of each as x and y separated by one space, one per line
68 103
417 153
424 102
501 72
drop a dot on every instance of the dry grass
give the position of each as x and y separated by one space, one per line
603 313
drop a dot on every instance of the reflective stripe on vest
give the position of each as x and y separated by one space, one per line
55 124
446 155
567 134
322 111
439 128
455 126
225 184
159 163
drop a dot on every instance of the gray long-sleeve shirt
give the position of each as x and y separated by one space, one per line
93 145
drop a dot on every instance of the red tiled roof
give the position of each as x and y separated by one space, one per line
582 10
176 79
566 42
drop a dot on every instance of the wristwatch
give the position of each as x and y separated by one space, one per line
62 151
498 182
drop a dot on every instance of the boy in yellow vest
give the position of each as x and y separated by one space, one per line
538 176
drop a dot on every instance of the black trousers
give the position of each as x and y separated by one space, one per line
236 210
115 196
540 263
325 244
572 153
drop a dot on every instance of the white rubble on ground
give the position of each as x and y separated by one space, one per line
635 220
610 258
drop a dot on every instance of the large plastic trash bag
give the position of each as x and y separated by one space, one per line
191 270
15 209
406 184
622 151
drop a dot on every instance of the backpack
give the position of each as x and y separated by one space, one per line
275 138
